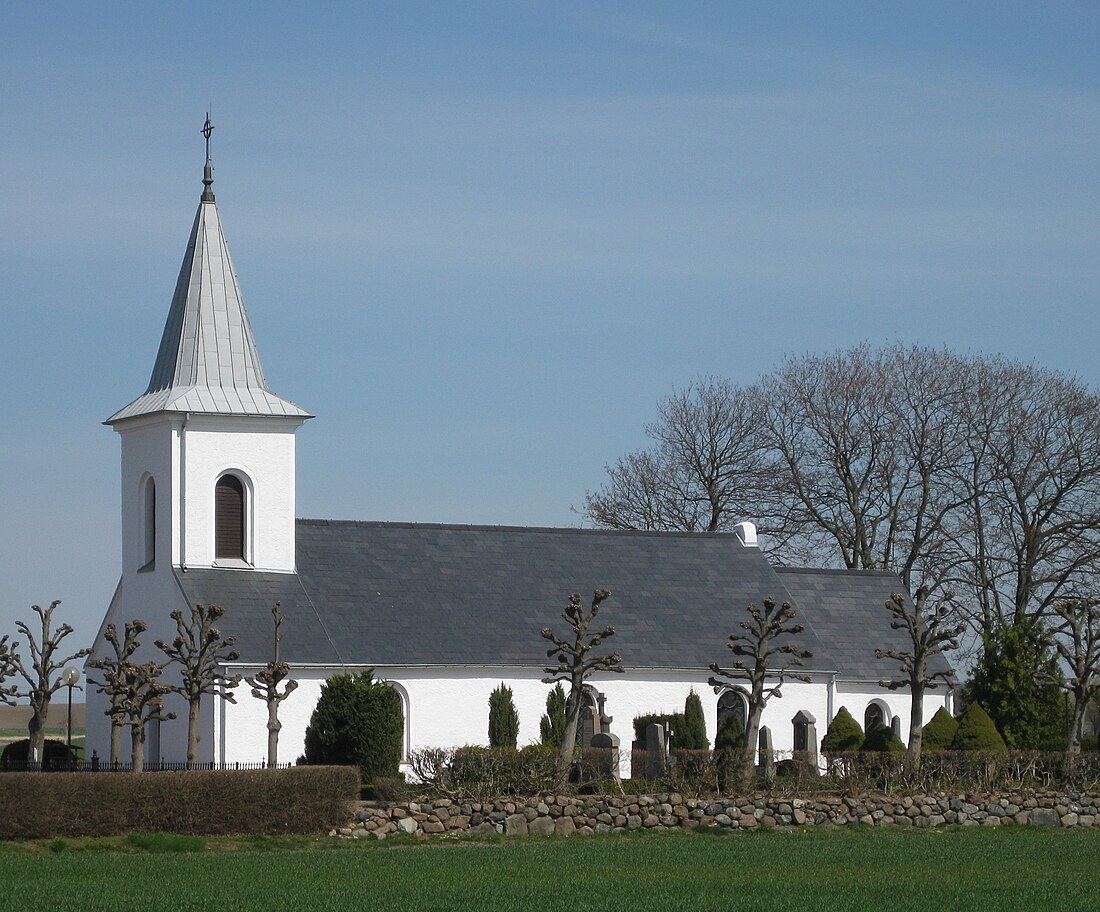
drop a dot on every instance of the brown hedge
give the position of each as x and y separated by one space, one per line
198 802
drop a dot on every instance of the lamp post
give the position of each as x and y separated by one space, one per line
69 677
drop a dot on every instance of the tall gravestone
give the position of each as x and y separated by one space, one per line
767 754
805 737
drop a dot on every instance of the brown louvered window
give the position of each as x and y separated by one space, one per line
229 518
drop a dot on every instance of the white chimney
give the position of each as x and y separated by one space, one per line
746 531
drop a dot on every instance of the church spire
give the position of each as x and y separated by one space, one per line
208 171
208 362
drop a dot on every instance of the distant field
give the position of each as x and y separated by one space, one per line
820 869
14 719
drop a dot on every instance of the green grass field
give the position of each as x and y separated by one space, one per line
856 868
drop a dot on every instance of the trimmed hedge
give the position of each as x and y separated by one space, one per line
196 802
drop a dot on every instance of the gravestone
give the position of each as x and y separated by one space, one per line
805 737
767 754
656 748
608 759
895 726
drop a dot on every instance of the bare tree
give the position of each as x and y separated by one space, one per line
1029 534
1077 639
141 702
576 665
702 473
7 669
265 686
932 627
40 674
198 649
115 683
765 656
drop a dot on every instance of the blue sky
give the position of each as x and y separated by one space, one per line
480 241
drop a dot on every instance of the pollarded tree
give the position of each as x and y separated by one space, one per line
7 669
265 686
141 702
576 665
765 655
116 683
1077 640
40 673
199 649
552 723
503 718
932 628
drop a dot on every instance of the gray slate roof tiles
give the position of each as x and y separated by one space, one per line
408 594
207 361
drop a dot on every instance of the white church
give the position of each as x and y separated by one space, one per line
445 613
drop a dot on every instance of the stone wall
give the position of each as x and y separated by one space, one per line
566 816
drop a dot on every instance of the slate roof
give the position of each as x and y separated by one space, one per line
207 361
409 594
849 613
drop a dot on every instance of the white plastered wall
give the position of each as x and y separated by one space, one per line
448 707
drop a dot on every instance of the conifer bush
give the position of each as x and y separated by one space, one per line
881 739
844 734
503 718
977 732
552 723
940 731
695 724
357 721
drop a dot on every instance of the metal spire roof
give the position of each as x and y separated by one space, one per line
208 362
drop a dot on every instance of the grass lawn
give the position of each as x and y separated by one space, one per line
825 869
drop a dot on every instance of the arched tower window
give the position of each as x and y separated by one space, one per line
229 519
149 521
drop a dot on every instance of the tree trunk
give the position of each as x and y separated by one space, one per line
1073 736
36 731
193 731
569 739
273 728
916 722
137 747
116 742
747 766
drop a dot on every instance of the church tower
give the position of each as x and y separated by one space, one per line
208 448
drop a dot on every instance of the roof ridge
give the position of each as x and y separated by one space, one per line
490 527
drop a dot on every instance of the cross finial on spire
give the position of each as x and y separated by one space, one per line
208 171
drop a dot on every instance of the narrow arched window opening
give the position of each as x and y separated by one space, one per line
229 519
874 713
149 522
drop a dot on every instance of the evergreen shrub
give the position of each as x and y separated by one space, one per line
552 723
977 732
940 731
881 739
844 734
357 721
503 718
695 724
